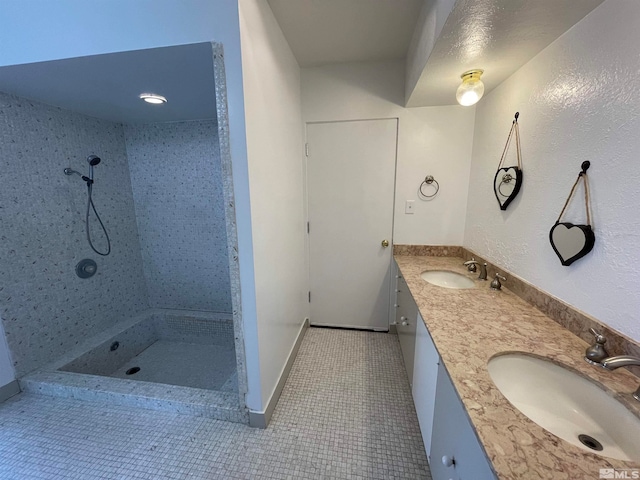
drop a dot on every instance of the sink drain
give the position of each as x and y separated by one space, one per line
133 370
590 442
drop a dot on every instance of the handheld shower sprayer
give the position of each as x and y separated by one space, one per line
92 160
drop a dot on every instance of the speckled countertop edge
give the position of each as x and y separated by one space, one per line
469 327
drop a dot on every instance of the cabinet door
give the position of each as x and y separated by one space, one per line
453 437
406 327
425 377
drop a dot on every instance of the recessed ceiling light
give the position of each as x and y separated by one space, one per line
153 98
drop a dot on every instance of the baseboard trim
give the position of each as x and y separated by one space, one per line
262 419
350 327
9 390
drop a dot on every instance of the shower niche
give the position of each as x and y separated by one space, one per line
163 287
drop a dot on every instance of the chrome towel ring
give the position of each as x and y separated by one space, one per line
429 180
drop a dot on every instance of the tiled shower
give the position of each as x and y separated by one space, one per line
159 192
179 207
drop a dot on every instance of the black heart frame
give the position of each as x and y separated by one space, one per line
589 242
516 189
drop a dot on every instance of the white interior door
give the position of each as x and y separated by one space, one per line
350 188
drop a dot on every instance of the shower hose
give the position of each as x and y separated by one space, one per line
90 206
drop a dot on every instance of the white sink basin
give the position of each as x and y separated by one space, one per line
447 279
567 404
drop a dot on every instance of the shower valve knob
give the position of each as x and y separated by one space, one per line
86 268
448 461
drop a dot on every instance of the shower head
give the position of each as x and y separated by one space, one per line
93 161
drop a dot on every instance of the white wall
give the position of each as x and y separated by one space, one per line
433 15
41 30
275 150
579 99
431 141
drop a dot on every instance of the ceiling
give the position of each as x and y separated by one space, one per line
498 36
336 31
107 86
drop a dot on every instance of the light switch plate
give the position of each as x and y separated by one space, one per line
408 207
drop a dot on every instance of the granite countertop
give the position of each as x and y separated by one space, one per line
470 326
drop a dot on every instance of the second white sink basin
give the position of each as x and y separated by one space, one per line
568 405
447 279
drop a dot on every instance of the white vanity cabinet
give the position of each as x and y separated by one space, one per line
455 451
425 377
405 317
451 444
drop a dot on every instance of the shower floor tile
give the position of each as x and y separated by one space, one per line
211 367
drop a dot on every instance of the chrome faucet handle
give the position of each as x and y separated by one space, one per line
596 353
598 336
472 266
495 283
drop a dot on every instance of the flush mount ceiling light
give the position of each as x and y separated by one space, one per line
471 89
153 98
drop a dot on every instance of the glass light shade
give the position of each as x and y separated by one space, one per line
153 98
471 89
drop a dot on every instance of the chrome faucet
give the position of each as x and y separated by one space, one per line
595 354
612 363
483 268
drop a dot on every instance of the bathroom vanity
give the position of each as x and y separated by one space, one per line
470 430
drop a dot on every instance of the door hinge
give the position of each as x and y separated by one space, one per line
308 228
309 297
306 149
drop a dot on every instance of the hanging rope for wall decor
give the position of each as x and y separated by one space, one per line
581 176
429 181
514 128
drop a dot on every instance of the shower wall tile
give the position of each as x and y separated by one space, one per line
204 329
45 308
177 188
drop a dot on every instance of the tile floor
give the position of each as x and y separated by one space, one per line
345 413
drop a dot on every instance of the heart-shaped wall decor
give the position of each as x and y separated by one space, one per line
506 185
571 242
